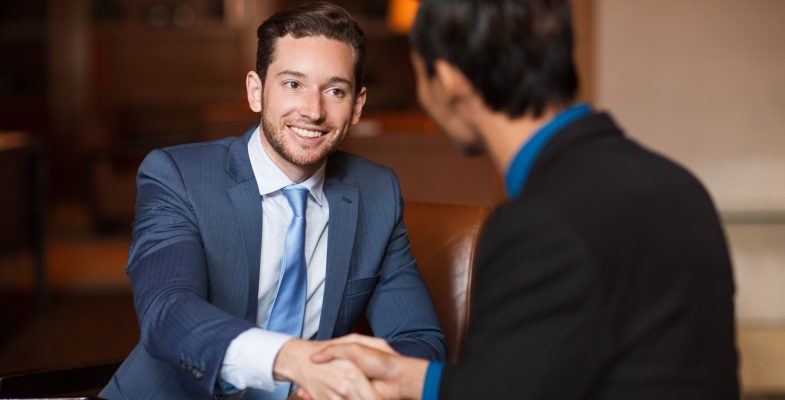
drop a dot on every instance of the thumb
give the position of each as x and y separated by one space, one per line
323 356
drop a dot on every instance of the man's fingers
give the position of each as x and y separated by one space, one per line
385 389
368 341
372 362
301 394
385 371
339 379
356 385
322 357
366 391
349 351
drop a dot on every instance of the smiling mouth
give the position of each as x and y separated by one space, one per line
306 133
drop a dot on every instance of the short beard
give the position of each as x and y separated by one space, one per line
275 138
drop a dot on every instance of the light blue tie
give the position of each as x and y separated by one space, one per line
288 309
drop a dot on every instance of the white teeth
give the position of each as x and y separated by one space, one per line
305 132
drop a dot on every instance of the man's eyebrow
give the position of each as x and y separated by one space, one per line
338 79
297 74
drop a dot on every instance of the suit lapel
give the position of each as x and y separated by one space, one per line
248 210
247 205
343 200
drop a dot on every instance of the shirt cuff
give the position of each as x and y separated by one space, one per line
250 358
433 379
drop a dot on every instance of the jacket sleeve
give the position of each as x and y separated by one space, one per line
168 272
400 309
538 328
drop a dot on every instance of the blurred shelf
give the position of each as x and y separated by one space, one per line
770 216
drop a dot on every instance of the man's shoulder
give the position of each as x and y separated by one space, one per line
198 153
219 146
354 167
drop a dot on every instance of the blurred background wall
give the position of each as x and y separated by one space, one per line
93 85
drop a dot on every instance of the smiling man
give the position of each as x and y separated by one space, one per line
246 247
308 100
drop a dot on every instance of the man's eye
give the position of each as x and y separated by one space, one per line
336 92
291 85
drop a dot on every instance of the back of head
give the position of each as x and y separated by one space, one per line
318 18
516 53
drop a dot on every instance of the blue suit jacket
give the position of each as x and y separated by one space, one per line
194 265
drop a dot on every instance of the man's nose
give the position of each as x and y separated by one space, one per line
312 106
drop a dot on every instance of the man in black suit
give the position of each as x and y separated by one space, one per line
606 275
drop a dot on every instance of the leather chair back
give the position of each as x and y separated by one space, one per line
444 238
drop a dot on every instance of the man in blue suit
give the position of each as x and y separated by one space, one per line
210 260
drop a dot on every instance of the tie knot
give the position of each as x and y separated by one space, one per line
296 197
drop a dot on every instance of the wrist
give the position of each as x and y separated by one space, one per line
413 373
287 360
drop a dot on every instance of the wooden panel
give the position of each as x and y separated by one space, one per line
583 24
139 64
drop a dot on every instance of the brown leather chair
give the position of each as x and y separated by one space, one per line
444 238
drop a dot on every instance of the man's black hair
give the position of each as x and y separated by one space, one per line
516 53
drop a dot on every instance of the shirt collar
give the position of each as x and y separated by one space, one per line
271 179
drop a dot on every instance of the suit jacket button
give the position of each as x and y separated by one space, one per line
184 366
198 374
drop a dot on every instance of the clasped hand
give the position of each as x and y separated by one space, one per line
350 367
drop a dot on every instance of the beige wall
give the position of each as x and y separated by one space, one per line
704 82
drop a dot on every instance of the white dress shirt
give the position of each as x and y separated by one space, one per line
250 356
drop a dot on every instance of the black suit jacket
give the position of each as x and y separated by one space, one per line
607 278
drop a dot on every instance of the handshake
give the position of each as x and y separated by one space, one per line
350 367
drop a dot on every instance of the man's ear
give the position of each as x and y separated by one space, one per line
359 102
253 87
454 83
